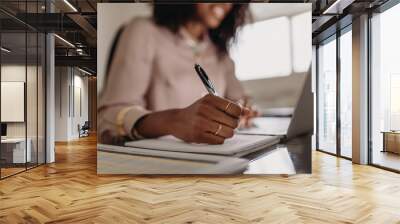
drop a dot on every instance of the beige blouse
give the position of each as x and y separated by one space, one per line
153 70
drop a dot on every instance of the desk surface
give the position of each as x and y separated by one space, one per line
292 157
289 158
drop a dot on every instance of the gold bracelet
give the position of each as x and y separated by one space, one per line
120 120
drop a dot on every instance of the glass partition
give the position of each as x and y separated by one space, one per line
15 149
23 89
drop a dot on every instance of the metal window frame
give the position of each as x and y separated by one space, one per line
334 37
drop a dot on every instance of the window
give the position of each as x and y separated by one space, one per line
346 94
327 96
385 88
394 102
274 47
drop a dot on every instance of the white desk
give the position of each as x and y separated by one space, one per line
292 157
16 147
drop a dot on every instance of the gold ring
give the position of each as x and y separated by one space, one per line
227 107
218 130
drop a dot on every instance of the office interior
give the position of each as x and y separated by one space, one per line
48 96
48 58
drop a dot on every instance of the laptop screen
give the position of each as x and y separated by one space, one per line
303 117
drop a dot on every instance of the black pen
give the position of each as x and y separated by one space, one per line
204 78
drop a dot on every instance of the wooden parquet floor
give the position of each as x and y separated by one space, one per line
69 191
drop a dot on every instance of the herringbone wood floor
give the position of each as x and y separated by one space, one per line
69 191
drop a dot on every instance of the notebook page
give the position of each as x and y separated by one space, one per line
277 126
238 143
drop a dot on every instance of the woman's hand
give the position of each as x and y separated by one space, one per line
210 120
246 119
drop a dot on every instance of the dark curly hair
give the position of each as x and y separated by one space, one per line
173 16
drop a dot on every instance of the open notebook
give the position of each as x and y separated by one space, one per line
237 146
128 160
277 126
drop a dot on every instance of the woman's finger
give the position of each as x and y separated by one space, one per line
218 129
209 138
224 105
212 113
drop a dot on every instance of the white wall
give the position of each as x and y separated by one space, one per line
69 82
34 125
12 73
81 84
62 81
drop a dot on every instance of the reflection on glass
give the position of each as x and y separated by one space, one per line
346 94
385 114
15 149
22 91
327 97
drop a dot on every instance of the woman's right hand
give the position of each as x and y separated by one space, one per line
211 120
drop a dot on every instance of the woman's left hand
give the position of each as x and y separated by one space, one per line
246 120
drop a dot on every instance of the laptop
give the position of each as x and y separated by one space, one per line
301 122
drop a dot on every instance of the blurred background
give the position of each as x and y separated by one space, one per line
272 54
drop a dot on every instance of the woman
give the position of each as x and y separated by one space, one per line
152 89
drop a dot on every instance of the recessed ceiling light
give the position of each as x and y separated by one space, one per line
84 71
337 7
5 50
70 5
65 41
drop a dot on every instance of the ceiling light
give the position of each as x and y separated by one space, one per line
65 41
5 50
70 5
84 71
337 7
